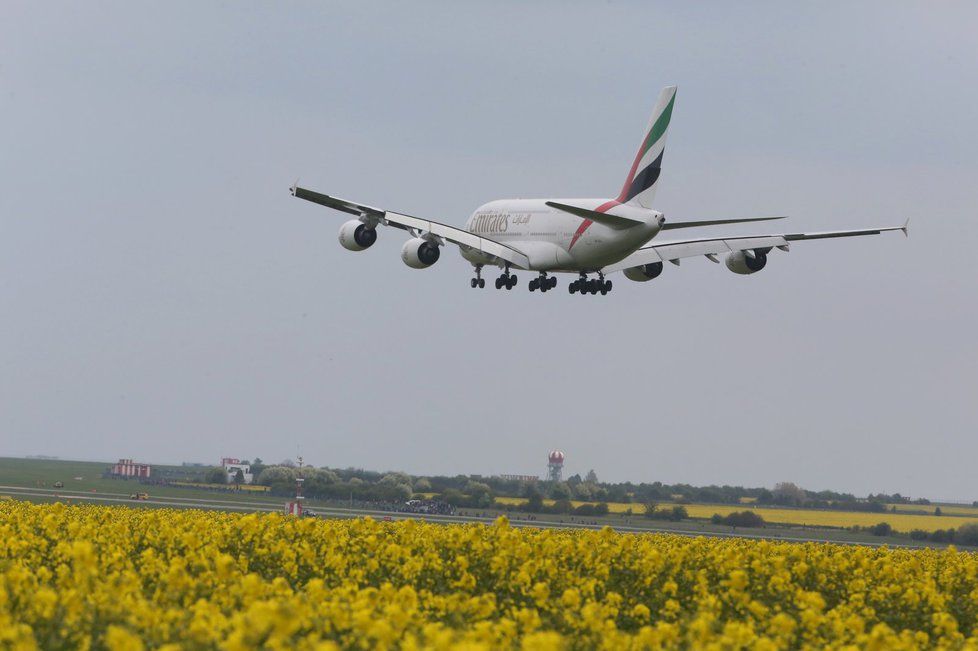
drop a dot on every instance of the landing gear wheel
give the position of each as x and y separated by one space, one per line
572 287
499 282
553 283
474 283
533 284
482 283
607 285
512 281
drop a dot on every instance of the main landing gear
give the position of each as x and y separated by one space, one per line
506 280
542 282
592 286
478 281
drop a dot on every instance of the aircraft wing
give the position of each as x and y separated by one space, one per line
673 251
417 226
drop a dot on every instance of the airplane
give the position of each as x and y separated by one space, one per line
591 238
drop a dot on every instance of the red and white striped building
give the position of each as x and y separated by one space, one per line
129 468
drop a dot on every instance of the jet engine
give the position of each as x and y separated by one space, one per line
357 236
418 253
741 262
644 273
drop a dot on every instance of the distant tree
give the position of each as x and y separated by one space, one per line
422 485
534 503
559 491
716 518
239 477
881 529
591 477
937 511
278 478
395 478
678 513
650 508
919 534
395 487
257 461
480 494
585 509
601 508
454 497
562 506
217 475
318 481
967 534
788 493
617 493
583 491
942 535
288 463
396 493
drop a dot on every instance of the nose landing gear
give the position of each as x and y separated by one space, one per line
478 281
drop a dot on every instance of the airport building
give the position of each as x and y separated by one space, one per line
129 468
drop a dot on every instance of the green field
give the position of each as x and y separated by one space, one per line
86 477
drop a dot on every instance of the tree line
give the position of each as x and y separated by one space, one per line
475 491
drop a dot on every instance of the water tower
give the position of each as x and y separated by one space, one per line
555 465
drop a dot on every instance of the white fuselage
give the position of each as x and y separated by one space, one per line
555 240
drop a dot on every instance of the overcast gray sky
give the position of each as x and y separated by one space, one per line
163 297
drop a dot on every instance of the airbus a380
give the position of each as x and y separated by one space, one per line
588 237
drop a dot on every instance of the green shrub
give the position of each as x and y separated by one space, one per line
967 534
744 519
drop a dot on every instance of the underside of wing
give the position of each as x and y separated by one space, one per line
419 227
710 247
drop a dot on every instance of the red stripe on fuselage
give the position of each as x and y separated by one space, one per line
605 207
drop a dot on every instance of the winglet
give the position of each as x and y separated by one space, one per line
294 187
906 228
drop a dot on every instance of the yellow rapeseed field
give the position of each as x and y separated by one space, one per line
904 522
122 578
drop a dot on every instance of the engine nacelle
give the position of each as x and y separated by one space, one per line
419 253
644 273
741 263
357 236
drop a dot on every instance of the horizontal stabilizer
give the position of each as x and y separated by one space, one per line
612 221
716 222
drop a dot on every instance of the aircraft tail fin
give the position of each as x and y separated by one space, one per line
643 177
